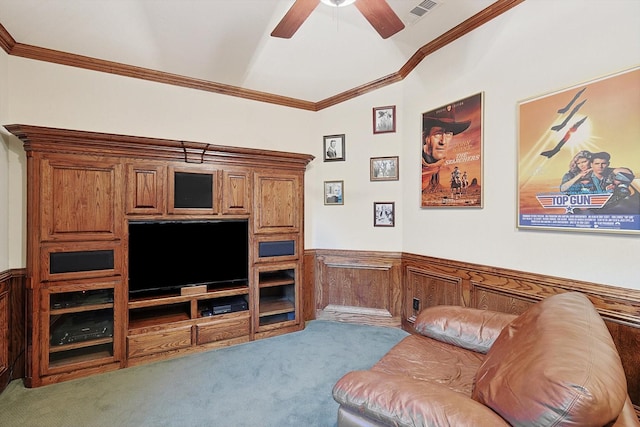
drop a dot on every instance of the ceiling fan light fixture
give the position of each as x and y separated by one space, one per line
338 3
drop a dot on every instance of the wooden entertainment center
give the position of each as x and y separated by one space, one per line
85 188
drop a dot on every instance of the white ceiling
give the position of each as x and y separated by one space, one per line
229 42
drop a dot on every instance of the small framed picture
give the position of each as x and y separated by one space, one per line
384 214
334 192
384 168
384 119
334 148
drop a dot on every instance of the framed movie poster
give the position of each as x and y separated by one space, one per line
577 152
451 144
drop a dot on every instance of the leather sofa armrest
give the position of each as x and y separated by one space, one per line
470 328
404 401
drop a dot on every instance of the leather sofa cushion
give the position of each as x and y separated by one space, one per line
429 360
555 365
470 328
398 400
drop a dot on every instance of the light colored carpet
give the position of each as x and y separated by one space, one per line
275 382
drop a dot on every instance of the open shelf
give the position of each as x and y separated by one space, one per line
166 310
277 294
153 315
93 355
277 318
274 305
276 278
81 327
79 301
176 298
82 344
80 309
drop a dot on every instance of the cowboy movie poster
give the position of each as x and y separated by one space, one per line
452 154
578 150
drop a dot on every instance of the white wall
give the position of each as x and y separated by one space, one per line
537 47
350 226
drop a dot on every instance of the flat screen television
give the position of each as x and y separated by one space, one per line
165 256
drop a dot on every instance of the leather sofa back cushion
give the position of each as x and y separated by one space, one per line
554 365
470 328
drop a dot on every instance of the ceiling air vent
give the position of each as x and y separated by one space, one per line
423 7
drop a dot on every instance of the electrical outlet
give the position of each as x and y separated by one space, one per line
416 304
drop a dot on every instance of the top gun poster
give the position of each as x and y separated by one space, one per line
579 157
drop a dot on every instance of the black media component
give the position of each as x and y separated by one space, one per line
77 299
70 262
193 190
165 256
279 248
78 328
223 305
228 305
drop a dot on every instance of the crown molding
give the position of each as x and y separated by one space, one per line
12 47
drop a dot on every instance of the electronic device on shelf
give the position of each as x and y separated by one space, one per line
77 299
74 329
224 305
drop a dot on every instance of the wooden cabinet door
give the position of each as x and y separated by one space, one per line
235 192
278 202
80 325
80 199
146 188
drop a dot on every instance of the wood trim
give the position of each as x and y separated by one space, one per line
376 294
12 327
101 65
308 288
620 303
67 141
57 57
6 41
493 11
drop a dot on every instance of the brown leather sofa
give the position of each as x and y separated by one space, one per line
554 365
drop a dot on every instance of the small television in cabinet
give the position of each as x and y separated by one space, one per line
165 256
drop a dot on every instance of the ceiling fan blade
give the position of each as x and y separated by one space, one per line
380 16
294 18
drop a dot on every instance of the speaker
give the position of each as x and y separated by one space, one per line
279 248
70 262
193 190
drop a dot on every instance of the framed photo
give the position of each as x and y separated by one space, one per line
384 169
334 192
451 148
384 119
334 148
384 214
577 153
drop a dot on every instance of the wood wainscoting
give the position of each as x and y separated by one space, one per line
380 287
12 317
373 294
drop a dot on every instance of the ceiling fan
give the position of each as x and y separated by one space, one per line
377 12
